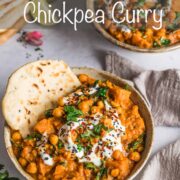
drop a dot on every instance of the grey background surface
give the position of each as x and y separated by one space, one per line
86 47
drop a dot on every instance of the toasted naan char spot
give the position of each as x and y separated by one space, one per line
27 97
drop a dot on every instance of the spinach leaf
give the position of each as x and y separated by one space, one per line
48 113
72 113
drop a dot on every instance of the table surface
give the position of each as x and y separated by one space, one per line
86 47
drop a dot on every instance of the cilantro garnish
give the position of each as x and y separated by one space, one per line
97 128
101 173
165 42
155 44
87 134
34 135
72 113
102 92
79 147
60 144
90 166
135 144
48 113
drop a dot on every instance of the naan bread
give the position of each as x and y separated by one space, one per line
34 88
11 17
9 6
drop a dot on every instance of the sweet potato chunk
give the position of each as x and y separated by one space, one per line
45 125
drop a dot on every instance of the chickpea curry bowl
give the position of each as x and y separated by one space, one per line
140 25
97 127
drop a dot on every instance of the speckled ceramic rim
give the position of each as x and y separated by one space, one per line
136 98
90 5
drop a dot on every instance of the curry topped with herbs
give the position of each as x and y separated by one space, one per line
142 29
96 132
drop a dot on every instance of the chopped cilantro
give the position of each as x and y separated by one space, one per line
97 128
48 113
102 92
140 2
72 113
87 134
34 135
90 166
135 144
155 44
101 173
79 147
60 144
96 83
126 87
165 42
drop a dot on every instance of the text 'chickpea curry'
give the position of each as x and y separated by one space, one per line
95 132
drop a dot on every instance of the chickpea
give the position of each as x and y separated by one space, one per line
135 156
114 172
16 136
84 106
100 104
83 78
115 104
32 168
61 101
34 153
91 81
95 109
58 112
53 139
117 155
140 149
22 161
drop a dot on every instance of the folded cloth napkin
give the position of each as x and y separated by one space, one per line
162 91
165 164
160 88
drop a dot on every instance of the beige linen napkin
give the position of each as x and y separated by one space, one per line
160 88
162 91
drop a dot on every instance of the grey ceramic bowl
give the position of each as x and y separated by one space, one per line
91 5
136 98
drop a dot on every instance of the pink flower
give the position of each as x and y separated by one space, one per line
34 38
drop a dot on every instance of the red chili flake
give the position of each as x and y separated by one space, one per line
34 38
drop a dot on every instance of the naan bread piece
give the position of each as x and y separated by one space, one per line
2 2
34 88
5 8
7 34
11 17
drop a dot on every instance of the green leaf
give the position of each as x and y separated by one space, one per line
97 128
102 92
126 87
4 175
177 15
72 113
90 166
87 134
60 144
165 42
79 147
96 83
140 2
36 135
135 144
155 44
101 173
48 113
